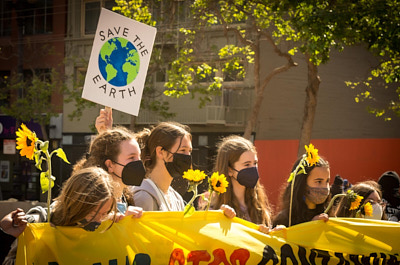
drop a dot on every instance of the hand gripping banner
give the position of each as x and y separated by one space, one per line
211 238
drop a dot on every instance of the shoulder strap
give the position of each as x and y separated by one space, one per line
148 187
159 194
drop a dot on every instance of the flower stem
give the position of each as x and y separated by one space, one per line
194 195
209 200
49 190
332 201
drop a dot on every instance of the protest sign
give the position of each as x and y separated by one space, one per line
211 238
118 62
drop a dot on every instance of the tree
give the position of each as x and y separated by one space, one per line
377 24
252 23
30 98
322 25
312 28
315 34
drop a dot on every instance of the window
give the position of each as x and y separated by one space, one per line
91 12
161 75
37 16
5 17
182 11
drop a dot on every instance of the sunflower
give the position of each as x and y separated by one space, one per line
194 175
218 182
312 155
26 140
355 200
368 209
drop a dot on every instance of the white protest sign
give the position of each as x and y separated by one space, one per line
118 63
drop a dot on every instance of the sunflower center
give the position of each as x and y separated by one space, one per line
218 184
28 141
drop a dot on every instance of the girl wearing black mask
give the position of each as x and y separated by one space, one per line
307 199
166 152
237 160
117 152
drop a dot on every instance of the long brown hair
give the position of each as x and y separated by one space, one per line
83 193
299 206
229 151
363 189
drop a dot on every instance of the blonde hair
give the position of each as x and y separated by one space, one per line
229 151
86 191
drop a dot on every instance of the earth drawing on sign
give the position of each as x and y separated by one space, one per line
119 61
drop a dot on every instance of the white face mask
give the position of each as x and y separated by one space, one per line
377 212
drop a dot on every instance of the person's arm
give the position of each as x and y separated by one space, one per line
105 120
14 223
133 211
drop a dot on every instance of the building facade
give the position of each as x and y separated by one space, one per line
32 37
357 145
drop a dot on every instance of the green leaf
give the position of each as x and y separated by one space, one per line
44 146
60 153
189 210
38 161
301 171
44 181
290 177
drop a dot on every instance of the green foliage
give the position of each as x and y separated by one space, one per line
31 98
136 10
74 92
43 154
376 23
322 25
246 21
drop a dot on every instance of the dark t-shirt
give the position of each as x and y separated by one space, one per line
392 211
283 217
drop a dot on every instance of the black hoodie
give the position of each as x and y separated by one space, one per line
390 183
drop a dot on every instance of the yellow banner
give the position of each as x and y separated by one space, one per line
211 238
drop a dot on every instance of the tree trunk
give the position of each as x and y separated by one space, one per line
310 105
260 87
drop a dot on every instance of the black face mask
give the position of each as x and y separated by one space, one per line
179 165
89 226
247 177
133 173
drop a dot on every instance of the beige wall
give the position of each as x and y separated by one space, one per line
337 115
